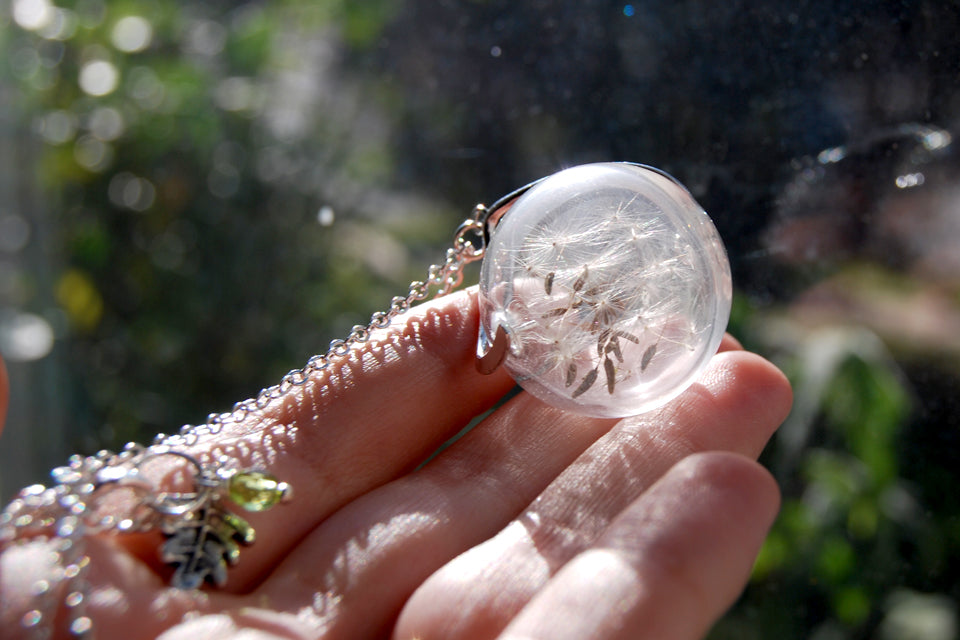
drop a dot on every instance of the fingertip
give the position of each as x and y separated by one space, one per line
772 387
712 491
737 405
670 564
729 343
759 383
746 486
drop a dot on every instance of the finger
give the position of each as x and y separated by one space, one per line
729 343
669 565
355 572
464 496
248 623
32 580
359 423
124 598
735 406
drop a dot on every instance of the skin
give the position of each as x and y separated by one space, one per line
536 524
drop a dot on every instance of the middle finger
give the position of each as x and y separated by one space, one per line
735 407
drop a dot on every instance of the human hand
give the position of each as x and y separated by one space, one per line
536 524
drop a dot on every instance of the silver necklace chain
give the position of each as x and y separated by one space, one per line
71 509
468 246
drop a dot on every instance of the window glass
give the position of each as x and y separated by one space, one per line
195 196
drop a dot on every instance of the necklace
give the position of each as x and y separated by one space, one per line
604 290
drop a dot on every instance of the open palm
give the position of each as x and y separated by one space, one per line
536 524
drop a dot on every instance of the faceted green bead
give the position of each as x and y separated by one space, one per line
255 490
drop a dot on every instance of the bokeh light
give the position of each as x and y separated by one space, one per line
33 14
24 337
99 77
131 34
14 232
131 192
92 153
57 127
106 123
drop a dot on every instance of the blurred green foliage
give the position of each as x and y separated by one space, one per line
854 552
188 150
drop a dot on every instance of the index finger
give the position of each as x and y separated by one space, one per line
366 419
669 565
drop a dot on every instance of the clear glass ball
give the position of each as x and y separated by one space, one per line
612 286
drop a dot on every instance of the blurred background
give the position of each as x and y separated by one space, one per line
195 196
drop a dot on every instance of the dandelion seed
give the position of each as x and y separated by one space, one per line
548 283
562 345
614 347
610 370
643 232
586 383
571 375
623 206
592 292
648 356
607 309
555 313
582 280
548 246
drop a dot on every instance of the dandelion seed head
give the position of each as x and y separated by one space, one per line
615 287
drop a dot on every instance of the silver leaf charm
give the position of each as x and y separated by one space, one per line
203 547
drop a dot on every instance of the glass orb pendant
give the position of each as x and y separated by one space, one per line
605 289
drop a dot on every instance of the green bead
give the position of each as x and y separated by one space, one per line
255 490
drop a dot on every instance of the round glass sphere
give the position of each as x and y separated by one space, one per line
612 288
